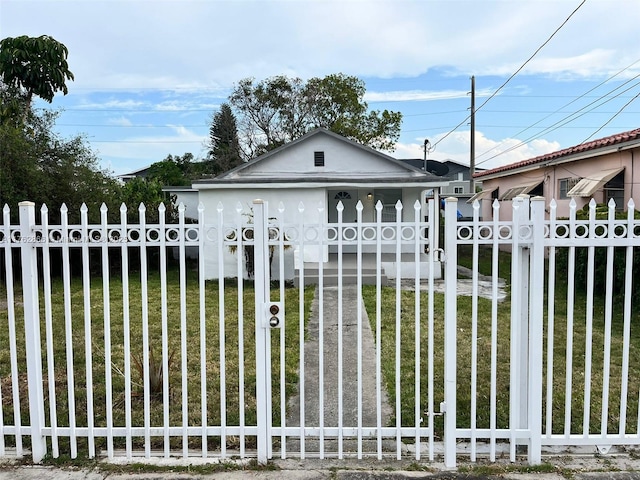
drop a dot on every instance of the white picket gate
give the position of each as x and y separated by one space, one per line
232 362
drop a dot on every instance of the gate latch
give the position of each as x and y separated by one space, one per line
443 410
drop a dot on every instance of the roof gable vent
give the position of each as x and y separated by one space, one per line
318 159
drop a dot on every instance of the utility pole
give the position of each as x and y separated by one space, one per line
427 144
472 151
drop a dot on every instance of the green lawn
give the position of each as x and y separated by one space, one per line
464 348
232 333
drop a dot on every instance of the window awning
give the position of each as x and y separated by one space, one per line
589 185
482 195
521 189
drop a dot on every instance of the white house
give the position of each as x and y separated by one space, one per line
320 168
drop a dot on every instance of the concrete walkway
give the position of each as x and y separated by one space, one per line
464 285
312 400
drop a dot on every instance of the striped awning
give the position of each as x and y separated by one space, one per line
519 190
589 185
482 195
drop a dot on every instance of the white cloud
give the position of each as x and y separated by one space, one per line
174 59
139 151
456 147
422 95
212 44
120 122
113 104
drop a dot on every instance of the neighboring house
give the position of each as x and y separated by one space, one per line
458 177
318 169
602 169
141 172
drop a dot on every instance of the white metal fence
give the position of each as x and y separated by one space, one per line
570 347
138 353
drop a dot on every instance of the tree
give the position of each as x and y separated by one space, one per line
280 109
37 164
148 192
336 102
37 65
169 172
178 170
224 146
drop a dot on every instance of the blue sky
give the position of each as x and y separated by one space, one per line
149 74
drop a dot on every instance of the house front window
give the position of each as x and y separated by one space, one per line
388 198
458 190
564 185
614 189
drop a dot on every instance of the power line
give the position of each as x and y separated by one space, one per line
515 73
555 126
129 126
584 95
614 116
566 120
148 141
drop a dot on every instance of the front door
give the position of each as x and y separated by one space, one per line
349 198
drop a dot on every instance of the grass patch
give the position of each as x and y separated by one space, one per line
601 395
229 379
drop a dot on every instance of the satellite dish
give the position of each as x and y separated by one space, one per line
437 168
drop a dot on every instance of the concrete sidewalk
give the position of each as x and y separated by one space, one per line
617 467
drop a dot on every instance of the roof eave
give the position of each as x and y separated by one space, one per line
605 150
319 183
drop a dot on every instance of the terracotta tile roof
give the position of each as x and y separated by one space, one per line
583 147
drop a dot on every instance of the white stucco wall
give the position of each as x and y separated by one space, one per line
312 199
291 198
339 158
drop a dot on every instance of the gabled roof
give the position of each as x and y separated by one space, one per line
582 150
239 174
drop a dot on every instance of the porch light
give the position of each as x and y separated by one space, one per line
369 195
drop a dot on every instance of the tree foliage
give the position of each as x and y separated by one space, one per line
38 165
38 65
279 109
224 146
176 170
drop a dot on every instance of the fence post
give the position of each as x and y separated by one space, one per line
536 305
523 318
263 346
450 326
29 263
